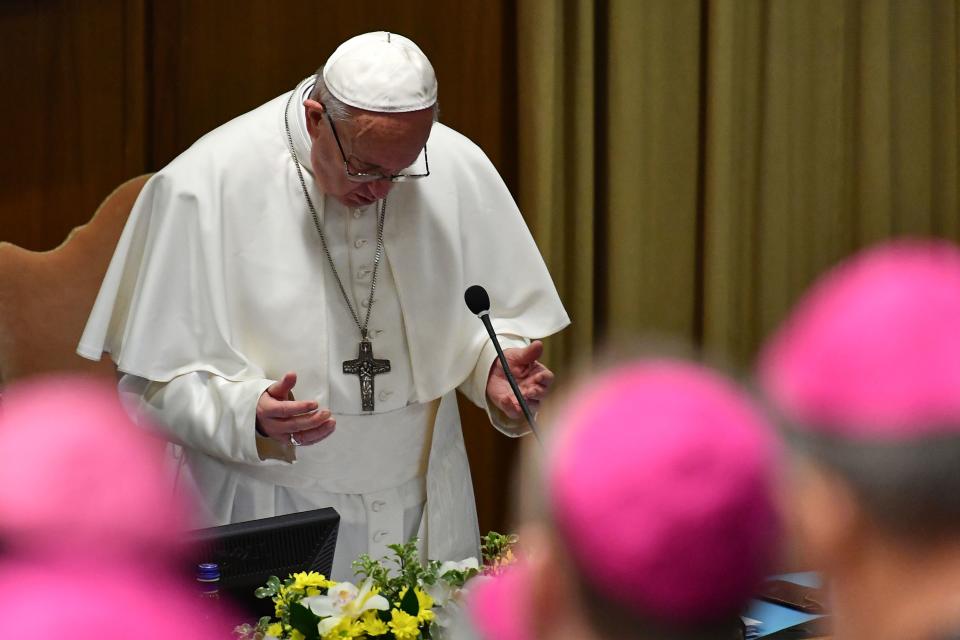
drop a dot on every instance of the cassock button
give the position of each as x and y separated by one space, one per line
378 505
357 213
366 302
364 272
359 243
380 535
384 395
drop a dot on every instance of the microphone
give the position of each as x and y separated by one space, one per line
478 301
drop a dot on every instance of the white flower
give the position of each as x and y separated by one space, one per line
463 565
440 591
344 600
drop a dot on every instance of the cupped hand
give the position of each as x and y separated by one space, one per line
532 377
280 416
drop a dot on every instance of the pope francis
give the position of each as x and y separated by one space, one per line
287 298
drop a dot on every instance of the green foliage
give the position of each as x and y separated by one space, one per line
304 621
495 545
271 588
402 569
409 603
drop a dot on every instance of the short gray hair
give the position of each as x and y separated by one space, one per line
910 489
337 108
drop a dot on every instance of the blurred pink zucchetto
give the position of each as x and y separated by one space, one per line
659 478
76 475
89 526
873 350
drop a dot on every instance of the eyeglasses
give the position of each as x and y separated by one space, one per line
361 176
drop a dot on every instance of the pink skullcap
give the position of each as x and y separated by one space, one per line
498 606
83 603
873 350
661 484
77 477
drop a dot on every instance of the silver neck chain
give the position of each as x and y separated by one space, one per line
323 239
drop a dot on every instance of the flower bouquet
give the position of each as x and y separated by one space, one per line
398 598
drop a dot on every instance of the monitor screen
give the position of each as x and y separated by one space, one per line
250 552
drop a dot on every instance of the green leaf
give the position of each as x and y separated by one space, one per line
410 604
304 621
273 582
264 592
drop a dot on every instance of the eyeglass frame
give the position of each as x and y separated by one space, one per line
360 176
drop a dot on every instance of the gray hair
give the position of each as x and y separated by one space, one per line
910 489
337 108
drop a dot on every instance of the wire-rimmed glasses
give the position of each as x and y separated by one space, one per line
361 176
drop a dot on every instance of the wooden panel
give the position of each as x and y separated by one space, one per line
72 111
216 60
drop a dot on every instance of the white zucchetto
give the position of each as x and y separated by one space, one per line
381 71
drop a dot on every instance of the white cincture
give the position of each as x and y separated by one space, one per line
362 455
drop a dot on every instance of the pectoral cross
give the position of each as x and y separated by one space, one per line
366 366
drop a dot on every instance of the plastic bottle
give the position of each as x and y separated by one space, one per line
208 580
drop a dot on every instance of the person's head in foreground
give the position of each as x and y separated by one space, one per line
865 375
369 116
658 517
90 541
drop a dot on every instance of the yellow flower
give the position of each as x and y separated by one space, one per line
426 604
275 630
372 624
403 625
303 580
347 628
423 598
280 601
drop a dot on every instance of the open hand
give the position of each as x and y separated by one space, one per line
532 377
280 416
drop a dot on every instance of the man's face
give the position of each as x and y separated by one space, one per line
822 515
381 143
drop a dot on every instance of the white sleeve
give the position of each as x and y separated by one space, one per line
475 386
202 411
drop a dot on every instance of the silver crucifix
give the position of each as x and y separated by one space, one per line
366 367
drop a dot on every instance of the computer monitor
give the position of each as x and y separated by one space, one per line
248 553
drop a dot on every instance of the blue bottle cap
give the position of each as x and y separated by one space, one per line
208 572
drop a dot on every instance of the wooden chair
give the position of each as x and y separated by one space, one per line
45 297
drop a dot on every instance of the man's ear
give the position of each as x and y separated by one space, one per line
315 112
829 523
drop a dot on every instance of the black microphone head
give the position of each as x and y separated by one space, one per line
477 299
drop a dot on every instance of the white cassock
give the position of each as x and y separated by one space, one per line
219 285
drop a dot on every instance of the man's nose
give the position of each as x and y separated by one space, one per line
380 188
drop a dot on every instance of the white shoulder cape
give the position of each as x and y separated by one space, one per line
219 267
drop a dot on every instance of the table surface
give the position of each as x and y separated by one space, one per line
774 617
